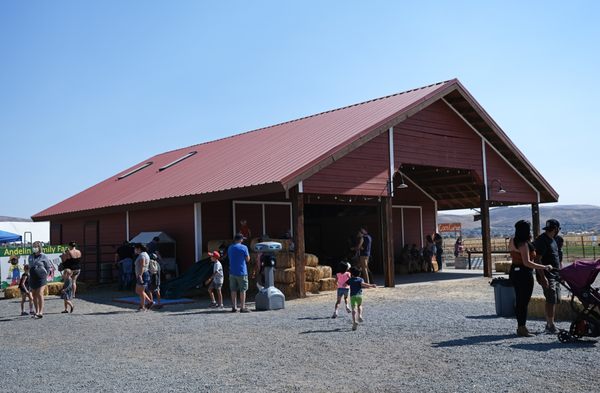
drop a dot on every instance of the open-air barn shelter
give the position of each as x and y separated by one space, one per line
390 164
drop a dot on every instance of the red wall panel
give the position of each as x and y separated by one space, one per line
216 221
176 221
517 189
436 136
363 171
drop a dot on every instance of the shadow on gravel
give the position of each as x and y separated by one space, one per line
473 340
109 312
491 316
336 330
10 319
313 318
544 347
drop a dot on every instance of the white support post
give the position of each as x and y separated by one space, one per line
127 225
198 229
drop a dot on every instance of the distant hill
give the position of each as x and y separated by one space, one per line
573 219
14 219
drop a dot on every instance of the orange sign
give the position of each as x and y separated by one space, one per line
449 227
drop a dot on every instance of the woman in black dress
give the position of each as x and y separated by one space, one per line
522 254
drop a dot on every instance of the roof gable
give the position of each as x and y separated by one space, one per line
279 155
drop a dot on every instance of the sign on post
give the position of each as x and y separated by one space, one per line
450 227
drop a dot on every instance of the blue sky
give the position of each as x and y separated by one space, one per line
90 88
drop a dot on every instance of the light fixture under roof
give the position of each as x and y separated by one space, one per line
402 184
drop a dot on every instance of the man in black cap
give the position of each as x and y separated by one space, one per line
546 251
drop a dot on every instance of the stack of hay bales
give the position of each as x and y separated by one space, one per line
318 278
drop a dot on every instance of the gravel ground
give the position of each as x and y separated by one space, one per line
439 336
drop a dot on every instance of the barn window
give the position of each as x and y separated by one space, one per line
139 168
162 168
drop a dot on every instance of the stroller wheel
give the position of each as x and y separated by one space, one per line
565 337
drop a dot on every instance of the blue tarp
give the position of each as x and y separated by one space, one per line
8 237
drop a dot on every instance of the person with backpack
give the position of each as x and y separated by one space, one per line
142 276
154 285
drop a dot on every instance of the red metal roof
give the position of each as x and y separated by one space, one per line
281 155
263 156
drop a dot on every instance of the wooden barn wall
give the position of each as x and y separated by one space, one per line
216 221
176 221
517 189
436 136
112 229
363 171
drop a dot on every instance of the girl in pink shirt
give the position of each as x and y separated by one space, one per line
343 289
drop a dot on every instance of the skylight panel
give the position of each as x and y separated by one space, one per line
162 168
135 170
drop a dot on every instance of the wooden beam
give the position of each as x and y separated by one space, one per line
387 239
298 222
485 235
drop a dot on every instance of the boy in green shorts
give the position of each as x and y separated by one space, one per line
356 285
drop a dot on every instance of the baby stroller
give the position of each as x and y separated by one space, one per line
578 279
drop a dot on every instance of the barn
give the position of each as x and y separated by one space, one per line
389 163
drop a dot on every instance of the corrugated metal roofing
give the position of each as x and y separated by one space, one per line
263 156
278 154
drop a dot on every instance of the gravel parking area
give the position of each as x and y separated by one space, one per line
440 336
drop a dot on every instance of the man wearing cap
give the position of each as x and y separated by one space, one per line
546 251
238 272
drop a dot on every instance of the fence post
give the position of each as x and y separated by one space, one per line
582 247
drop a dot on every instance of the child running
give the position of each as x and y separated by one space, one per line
356 285
215 282
25 291
67 290
343 288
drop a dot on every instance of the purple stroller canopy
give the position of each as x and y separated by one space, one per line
580 274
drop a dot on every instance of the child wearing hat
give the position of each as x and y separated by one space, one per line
215 281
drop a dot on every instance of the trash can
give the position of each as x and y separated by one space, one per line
504 295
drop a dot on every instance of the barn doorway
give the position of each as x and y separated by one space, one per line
330 231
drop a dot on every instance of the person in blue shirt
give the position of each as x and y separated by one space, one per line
238 272
356 286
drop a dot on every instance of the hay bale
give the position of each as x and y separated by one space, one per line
502 267
327 284
12 292
311 260
325 271
312 274
285 260
288 290
285 276
217 245
564 312
312 287
54 288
